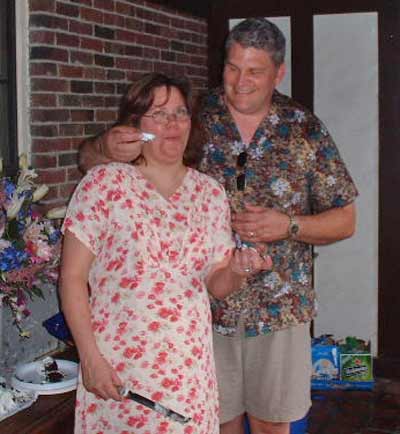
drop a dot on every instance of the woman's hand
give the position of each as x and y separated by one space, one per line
248 261
100 378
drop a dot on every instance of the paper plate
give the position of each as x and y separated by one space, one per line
28 376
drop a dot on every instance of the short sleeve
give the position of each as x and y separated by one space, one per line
221 230
89 209
331 185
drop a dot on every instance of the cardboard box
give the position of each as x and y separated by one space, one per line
341 365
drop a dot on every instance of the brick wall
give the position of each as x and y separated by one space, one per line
83 53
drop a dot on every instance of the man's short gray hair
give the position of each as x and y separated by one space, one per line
259 33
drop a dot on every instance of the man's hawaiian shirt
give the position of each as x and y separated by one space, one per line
293 165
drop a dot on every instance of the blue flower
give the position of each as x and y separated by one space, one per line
284 130
12 258
218 156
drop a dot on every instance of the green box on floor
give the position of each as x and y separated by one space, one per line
356 367
344 364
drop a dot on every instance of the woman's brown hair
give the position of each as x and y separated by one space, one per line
139 98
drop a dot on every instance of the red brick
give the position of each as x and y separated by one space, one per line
44 130
55 176
82 115
114 20
42 37
114 48
91 15
67 40
82 58
76 142
47 21
42 5
42 115
68 159
71 71
67 9
193 70
112 101
51 195
66 190
71 130
151 53
73 174
124 9
50 145
143 39
48 53
48 84
134 24
43 100
104 87
125 36
92 44
106 115
40 161
104 4
95 73
93 101
81 28
49 69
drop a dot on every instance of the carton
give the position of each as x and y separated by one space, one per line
345 364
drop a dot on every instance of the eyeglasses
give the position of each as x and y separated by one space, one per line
163 118
241 164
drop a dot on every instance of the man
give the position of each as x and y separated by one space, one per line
289 190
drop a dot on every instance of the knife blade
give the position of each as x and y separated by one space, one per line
167 412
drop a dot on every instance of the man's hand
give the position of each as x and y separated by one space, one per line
122 143
258 224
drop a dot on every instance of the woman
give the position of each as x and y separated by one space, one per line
149 238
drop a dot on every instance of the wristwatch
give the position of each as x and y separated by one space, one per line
293 228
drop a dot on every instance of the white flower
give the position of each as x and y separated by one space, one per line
40 192
280 187
237 147
23 161
274 119
14 206
299 115
57 213
331 180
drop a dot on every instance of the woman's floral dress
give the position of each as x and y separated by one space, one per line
149 304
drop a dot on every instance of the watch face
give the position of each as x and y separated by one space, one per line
294 229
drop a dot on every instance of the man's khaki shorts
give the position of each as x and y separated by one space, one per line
267 376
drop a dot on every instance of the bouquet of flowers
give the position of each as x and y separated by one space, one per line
29 244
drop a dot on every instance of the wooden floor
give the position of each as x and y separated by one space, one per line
357 412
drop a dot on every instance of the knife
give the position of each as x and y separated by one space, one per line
167 412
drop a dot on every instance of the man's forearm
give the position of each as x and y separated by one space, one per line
327 227
90 154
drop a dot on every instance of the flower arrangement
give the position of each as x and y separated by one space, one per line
29 243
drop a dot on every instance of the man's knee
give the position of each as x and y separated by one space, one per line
258 426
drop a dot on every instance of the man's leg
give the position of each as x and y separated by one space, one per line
228 362
277 374
235 426
258 426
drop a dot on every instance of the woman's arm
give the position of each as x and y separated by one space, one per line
230 274
98 376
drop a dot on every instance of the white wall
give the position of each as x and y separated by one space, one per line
346 98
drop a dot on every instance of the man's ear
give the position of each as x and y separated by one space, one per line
280 75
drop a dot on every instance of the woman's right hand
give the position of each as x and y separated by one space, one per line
121 143
100 378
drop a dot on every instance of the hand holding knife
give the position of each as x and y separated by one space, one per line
167 412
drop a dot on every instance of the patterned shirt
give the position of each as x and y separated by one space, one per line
293 166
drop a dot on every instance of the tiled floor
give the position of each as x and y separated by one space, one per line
357 412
